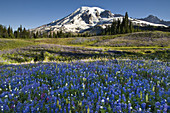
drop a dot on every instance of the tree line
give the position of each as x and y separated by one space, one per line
9 33
60 34
118 27
23 33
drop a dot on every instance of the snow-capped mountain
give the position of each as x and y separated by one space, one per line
87 18
156 20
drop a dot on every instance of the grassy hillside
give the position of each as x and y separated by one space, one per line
141 39
147 45
60 41
160 39
6 44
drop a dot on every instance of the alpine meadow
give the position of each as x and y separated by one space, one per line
91 61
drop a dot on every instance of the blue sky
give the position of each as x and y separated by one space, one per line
33 13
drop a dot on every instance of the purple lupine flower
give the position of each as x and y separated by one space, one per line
118 108
168 99
157 104
165 108
158 111
125 105
56 110
1 102
124 98
143 105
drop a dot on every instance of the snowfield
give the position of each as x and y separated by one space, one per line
87 17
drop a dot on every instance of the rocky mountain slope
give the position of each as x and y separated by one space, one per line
156 20
88 18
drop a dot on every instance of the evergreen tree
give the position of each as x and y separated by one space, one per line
37 35
61 34
109 30
24 33
78 35
20 31
18 34
1 31
54 35
118 26
126 23
34 35
115 28
9 31
12 33
50 35
122 28
44 35
5 33
131 29
15 34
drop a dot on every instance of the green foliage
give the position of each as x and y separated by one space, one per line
19 33
50 36
39 57
42 57
126 26
25 34
118 27
6 44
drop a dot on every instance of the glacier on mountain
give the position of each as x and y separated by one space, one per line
85 18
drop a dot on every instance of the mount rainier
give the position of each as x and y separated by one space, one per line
88 19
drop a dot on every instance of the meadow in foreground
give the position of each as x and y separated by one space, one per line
92 87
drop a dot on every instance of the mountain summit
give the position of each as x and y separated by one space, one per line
156 20
153 19
87 18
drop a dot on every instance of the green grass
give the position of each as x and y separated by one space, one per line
60 41
153 34
6 44
97 41
154 39
158 47
139 39
2 63
145 39
142 49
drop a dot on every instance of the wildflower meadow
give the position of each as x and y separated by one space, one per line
86 87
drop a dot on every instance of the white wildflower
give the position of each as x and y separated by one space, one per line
102 100
82 94
101 107
6 96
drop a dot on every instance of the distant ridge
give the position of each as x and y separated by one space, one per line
156 20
